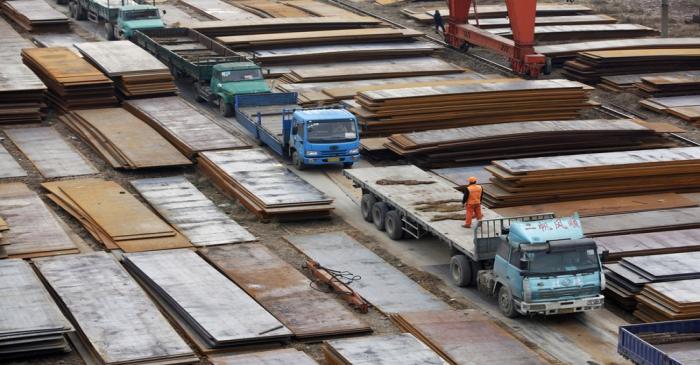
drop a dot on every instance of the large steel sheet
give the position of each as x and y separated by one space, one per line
271 357
8 166
221 312
401 349
384 286
49 152
284 291
190 211
113 313
218 9
121 57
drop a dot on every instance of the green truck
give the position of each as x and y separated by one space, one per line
120 17
217 73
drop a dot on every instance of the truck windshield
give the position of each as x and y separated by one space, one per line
331 131
140 14
241 75
582 259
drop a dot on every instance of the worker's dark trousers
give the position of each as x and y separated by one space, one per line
439 26
473 210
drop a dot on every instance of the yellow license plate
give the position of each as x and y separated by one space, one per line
333 159
566 310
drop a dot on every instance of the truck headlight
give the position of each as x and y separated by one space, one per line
354 151
312 153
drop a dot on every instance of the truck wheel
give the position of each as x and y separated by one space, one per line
392 225
366 204
225 109
461 270
379 211
109 29
505 302
348 165
297 161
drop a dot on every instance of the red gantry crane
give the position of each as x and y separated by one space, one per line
520 50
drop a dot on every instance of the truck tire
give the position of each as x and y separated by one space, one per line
461 270
505 302
109 29
366 204
297 161
225 109
379 211
393 225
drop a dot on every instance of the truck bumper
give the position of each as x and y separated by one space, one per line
331 160
561 307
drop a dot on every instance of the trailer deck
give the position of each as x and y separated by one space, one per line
271 117
428 201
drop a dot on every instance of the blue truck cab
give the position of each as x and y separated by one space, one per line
306 136
545 267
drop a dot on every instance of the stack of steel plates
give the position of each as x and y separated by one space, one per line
124 140
676 83
269 9
113 216
264 186
590 66
212 310
547 179
467 334
269 357
35 15
135 72
21 91
685 107
650 243
561 52
285 292
550 33
343 52
448 147
387 349
424 108
73 83
115 320
669 301
183 125
31 323
631 275
338 36
425 14
295 24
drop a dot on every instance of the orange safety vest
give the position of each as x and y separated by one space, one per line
475 191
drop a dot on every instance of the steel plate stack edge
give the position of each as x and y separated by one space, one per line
264 186
35 15
116 322
30 322
631 277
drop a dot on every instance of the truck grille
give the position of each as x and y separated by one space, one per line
567 292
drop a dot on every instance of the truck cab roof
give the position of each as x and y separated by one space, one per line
542 231
137 7
231 66
307 115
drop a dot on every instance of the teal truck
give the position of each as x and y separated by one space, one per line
120 17
217 73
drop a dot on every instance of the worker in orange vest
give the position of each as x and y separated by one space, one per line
472 201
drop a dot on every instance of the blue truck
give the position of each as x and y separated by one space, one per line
306 136
661 343
543 266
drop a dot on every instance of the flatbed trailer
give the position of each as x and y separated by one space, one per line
264 117
661 343
410 200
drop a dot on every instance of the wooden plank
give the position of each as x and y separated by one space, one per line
221 313
114 316
34 230
8 166
49 153
271 357
387 349
382 285
466 337
118 58
284 291
183 125
192 213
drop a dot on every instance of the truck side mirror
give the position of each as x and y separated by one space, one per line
295 129
605 256
523 264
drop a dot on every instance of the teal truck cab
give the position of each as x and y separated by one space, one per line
306 136
545 267
217 73
120 17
